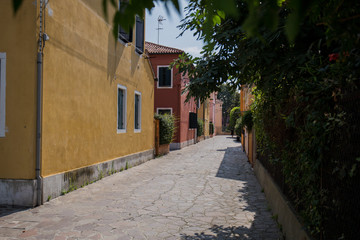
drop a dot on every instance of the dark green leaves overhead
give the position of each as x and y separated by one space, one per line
209 13
16 5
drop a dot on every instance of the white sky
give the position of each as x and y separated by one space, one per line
168 34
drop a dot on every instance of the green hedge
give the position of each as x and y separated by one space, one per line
238 126
167 127
200 128
247 120
234 115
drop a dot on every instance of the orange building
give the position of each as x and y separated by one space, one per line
168 97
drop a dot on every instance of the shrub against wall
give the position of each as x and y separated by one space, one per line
200 128
238 127
166 127
247 120
234 115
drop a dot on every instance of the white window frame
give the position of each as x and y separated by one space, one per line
119 86
137 130
157 110
2 92
158 81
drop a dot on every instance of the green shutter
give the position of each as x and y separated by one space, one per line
120 109
168 77
137 112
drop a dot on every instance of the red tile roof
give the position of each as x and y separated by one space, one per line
160 49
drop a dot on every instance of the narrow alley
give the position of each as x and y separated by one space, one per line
204 191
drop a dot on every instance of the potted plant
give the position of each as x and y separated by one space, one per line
166 132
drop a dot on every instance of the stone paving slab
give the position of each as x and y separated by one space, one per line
204 191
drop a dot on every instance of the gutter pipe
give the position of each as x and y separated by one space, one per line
39 180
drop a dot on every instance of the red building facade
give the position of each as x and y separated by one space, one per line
168 92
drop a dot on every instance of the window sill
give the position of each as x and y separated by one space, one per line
137 130
121 131
126 44
164 87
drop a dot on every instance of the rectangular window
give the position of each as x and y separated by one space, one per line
164 110
164 77
137 126
121 109
139 35
192 120
125 34
2 93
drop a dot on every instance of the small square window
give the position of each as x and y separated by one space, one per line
164 77
164 111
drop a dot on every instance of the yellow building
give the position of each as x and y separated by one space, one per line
93 113
203 115
248 140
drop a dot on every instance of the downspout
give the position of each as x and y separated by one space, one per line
39 182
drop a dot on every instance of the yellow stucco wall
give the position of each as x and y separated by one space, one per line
18 39
203 114
82 68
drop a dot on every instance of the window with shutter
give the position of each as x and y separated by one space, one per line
139 35
2 93
164 77
137 123
125 35
121 113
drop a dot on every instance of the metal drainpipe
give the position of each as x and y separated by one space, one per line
38 114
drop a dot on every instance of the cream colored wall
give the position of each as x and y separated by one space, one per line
82 68
18 39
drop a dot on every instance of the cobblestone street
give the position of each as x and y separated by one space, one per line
204 191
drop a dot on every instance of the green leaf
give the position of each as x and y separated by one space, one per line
221 14
216 19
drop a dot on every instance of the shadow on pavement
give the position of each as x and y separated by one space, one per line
229 167
7 210
221 232
259 224
221 150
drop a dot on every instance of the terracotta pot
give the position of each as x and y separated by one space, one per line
164 149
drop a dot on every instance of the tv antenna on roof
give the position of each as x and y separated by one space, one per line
160 20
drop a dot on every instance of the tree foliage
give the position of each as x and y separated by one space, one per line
234 115
261 14
303 57
230 98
